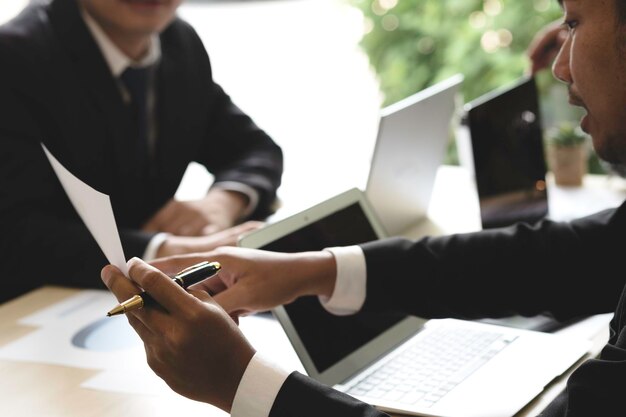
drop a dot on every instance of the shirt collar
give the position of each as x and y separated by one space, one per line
115 58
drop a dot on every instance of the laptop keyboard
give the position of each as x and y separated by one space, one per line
431 365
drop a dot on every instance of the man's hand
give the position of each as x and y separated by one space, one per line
219 210
254 280
191 342
546 45
177 245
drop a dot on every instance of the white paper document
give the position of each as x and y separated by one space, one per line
95 209
264 333
75 332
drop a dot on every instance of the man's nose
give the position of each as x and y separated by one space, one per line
561 65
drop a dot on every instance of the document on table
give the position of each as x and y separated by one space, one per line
95 209
75 332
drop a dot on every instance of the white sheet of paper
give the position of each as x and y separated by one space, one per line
147 383
65 308
75 332
268 337
264 333
142 382
95 209
79 334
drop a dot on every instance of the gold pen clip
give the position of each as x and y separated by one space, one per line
191 268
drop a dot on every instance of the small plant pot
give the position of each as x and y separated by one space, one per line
568 164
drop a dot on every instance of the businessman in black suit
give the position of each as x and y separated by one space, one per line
121 92
568 269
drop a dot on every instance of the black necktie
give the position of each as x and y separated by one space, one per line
136 82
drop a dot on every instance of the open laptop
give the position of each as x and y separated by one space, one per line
443 368
506 136
413 135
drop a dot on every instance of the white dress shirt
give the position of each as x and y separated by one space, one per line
118 62
263 379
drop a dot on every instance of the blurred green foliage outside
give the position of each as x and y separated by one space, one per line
412 44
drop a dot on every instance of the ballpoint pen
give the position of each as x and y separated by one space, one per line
184 278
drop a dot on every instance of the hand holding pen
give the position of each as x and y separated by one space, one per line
184 278
190 334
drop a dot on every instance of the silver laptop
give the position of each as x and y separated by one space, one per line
413 135
444 368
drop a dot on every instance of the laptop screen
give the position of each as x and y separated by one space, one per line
507 144
329 338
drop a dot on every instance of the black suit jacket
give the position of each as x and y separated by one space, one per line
568 269
56 88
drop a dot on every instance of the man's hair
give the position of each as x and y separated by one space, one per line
620 5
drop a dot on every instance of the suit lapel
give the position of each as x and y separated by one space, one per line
113 128
175 116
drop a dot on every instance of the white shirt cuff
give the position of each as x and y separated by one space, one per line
258 388
153 246
251 193
350 286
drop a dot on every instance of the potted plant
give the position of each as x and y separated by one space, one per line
567 154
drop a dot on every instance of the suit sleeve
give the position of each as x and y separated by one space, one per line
523 269
301 396
43 240
236 149
254 159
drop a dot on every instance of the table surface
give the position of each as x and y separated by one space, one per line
28 389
